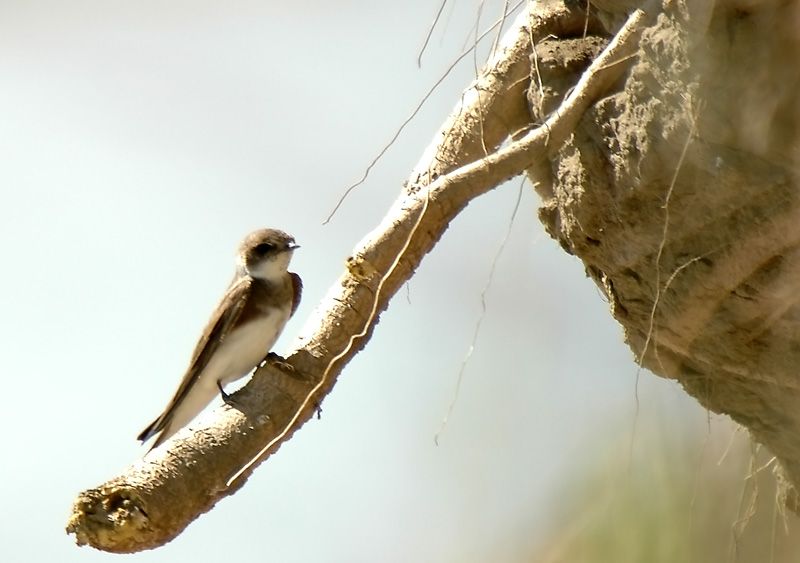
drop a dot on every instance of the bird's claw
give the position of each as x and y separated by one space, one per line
226 397
279 362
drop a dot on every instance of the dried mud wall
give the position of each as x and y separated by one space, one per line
679 192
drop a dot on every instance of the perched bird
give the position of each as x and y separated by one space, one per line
245 325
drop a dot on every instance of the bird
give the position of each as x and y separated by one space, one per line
240 334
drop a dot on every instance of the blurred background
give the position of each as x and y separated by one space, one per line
141 141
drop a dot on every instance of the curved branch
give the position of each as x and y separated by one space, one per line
153 500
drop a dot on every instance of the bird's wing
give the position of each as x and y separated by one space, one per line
218 328
297 289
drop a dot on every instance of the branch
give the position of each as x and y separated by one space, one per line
153 500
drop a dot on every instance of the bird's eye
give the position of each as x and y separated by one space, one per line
263 248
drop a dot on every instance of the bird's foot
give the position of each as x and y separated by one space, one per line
280 362
226 397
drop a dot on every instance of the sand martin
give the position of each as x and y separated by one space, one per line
261 298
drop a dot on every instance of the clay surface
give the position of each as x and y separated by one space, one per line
679 192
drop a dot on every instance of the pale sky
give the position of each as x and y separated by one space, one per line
140 141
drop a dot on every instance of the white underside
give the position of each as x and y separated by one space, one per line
241 351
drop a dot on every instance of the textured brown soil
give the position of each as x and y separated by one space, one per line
679 192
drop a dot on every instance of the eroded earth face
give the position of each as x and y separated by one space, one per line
680 194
